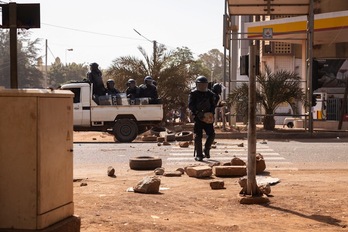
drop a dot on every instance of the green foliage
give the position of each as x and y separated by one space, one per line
59 73
28 74
274 89
172 70
213 61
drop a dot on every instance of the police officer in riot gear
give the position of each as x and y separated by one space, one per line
202 106
110 87
132 90
148 89
95 77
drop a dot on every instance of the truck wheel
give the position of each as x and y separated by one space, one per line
125 130
145 163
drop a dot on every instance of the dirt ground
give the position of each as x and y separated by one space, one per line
304 200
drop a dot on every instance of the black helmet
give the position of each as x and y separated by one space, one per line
94 65
110 81
148 80
217 88
130 81
201 79
202 84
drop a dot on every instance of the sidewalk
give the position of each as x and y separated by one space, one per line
280 132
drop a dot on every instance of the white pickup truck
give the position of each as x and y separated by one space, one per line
123 119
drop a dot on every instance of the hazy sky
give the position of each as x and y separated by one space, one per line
100 31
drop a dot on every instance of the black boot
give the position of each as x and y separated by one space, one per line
207 145
198 149
207 153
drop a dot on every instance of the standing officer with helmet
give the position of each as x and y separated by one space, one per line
202 106
95 77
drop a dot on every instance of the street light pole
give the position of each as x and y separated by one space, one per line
66 50
154 47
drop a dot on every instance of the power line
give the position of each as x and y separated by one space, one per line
104 34
90 32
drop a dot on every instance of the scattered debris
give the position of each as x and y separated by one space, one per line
184 136
145 163
83 184
148 185
265 189
260 164
111 171
199 171
159 171
261 180
172 174
240 145
229 171
217 184
184 144
181 170
237 162
150 138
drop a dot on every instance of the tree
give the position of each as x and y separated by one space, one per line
59 73
213 60
274 89
27 54
172 70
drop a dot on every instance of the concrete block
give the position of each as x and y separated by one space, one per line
199 171
224 171
69 224
217 184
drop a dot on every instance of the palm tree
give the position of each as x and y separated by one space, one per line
274 89
172 71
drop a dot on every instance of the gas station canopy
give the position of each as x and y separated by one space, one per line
268 7
329 28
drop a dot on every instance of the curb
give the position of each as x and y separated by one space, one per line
283 135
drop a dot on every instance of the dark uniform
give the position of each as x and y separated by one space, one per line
110 87
95 77
201 101
149 90
132 90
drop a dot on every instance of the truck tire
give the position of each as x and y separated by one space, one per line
125 130
145 163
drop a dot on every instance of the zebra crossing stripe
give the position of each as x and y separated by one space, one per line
220 158
225 151
227 154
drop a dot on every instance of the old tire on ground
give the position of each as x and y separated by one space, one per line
290 125
184 136
145 163
125 130
156 130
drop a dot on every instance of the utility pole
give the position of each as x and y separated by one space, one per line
252 188
13 45
46 73
154 48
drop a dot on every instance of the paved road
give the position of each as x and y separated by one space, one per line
314 153
227 149
279 155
